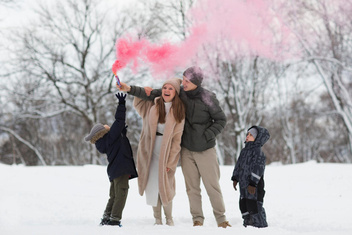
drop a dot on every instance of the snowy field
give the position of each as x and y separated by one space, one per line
306 198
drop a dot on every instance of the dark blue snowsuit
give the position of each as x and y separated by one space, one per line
121 167
249 170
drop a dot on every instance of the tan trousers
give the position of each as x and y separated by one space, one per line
167 210
203 165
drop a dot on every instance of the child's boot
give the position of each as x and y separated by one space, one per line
104 220
247 221
259 219
114 223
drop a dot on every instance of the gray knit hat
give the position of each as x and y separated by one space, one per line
94 131
194 74
175 82
254 132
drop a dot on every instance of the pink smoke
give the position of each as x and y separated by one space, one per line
162 58
244 25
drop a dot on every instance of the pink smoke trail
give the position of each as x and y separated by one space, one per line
245 24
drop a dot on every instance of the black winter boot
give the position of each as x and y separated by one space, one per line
247 221
114 223
104 221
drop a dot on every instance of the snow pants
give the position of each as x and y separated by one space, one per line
251 206
118 195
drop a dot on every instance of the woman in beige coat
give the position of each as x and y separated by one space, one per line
160 145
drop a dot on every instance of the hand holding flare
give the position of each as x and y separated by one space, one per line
116 66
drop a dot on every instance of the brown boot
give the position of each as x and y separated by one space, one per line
224 224
197 223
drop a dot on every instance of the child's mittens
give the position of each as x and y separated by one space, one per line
251 189
121 97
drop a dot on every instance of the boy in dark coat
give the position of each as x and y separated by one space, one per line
121 168
249 173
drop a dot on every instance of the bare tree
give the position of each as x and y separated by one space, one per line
241 87
8 3
328 49
163 19
60 81
63 67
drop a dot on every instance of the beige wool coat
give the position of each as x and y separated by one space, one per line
169 152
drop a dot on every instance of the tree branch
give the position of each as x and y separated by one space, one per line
29 145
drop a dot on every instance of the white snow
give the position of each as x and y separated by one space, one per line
306 198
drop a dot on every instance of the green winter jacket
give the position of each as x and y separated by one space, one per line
204 116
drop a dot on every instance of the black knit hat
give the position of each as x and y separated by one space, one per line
194 74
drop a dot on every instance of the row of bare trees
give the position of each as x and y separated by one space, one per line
56 82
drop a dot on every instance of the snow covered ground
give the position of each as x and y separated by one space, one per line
306 198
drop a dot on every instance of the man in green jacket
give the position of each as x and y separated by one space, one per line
204 121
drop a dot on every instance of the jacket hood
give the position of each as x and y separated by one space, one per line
262 137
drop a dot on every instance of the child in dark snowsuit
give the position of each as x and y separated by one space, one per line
249 173
121 168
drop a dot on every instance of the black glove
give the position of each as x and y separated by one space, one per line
121 98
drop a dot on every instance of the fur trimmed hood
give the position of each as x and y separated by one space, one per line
98 135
